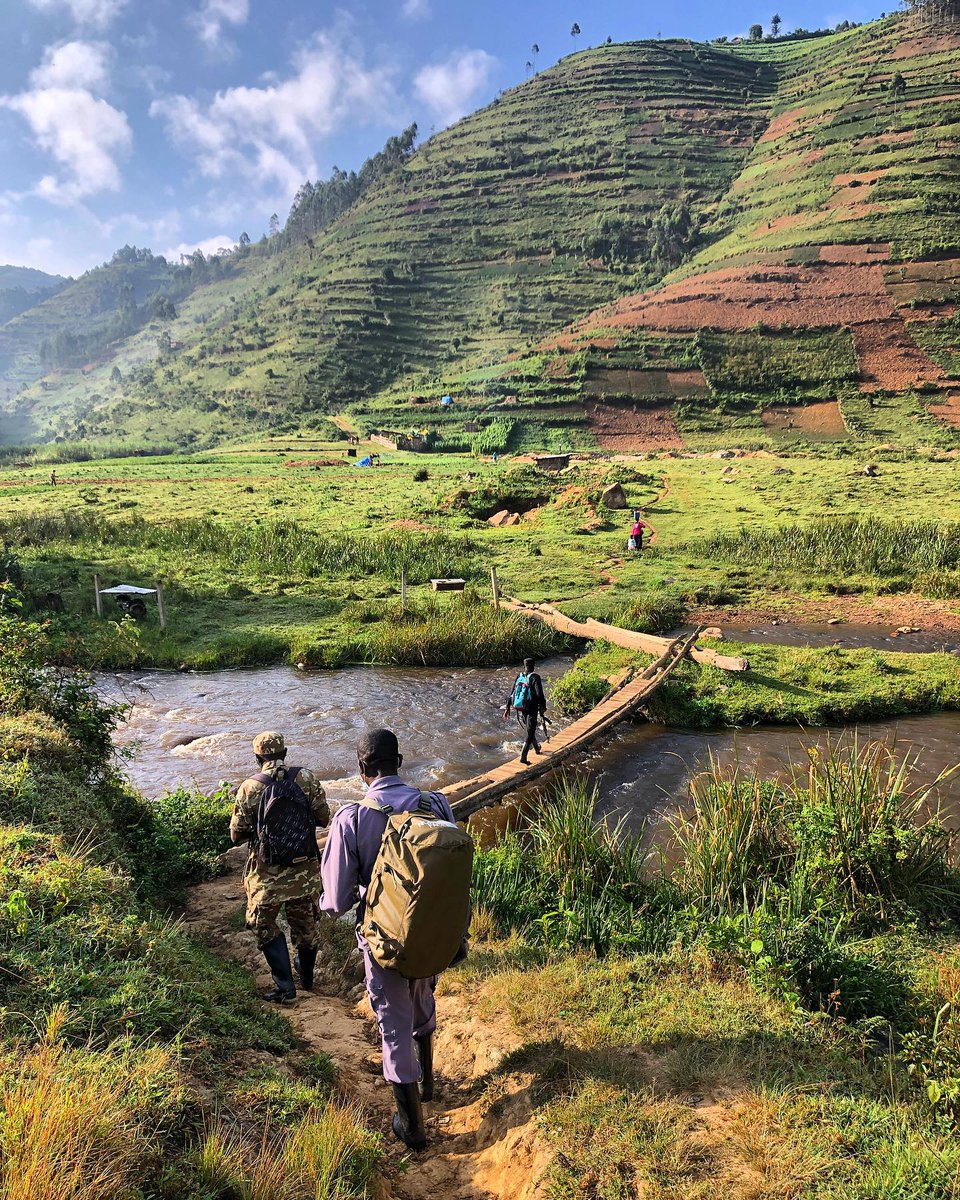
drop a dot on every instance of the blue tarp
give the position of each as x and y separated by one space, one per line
364 462
446 399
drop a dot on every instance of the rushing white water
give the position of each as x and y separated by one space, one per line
196 729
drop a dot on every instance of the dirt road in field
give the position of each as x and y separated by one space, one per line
483 1140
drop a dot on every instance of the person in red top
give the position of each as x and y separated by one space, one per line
636 533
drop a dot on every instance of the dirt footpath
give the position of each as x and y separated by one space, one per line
483 1140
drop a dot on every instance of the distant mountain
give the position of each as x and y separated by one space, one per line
29 279
749 226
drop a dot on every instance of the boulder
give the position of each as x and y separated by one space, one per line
723 454
613 496
503 518
713 631
871 470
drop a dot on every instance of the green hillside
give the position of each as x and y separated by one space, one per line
783 199
90 322
819 304
28 278
521 217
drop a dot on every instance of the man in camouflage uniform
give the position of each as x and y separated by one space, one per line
294 888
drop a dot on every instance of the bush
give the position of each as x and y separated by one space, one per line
190 833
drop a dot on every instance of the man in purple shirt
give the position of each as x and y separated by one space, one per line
405 1008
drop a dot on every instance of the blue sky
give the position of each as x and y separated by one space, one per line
177 123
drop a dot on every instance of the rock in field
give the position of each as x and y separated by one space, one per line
613 497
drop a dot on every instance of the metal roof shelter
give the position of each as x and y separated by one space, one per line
129 594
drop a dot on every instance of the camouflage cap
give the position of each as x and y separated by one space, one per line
269 745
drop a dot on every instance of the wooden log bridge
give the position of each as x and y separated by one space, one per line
646 643
628 694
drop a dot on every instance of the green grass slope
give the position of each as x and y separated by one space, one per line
829 272
60 351
585 182
752 227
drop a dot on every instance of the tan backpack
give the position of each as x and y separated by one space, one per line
418 902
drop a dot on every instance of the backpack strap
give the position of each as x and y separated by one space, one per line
425 804
369 802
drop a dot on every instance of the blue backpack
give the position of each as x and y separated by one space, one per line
522 695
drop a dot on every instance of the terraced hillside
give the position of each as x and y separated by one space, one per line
589 180
766 238
89 321
832 278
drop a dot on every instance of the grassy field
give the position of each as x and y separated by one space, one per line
773 1018
285 551
132 1061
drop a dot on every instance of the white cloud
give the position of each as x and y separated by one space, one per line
81 131
268 133
210 19
96 13
73 65
415 10
209 246
450 89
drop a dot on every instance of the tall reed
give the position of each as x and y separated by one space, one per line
730 839
270 548
465 632
851 832
856 545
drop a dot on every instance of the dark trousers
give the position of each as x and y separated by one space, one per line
530 742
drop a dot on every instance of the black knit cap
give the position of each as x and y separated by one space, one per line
378 746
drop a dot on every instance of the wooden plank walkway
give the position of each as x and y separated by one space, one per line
626 696
646 643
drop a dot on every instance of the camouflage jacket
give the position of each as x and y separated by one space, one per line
277 884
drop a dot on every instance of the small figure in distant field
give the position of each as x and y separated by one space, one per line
278 811
399 856
53 479
635 540
528 701
494 457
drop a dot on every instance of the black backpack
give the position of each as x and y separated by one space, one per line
286 826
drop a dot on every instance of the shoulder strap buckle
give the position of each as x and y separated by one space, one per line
369 802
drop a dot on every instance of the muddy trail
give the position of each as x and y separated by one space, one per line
483 1144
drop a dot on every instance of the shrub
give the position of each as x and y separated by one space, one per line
190 833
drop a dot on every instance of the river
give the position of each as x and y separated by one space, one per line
196 729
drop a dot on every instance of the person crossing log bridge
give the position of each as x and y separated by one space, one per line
626 696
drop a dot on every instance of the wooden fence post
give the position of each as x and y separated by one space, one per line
98 599
161 608
496 587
